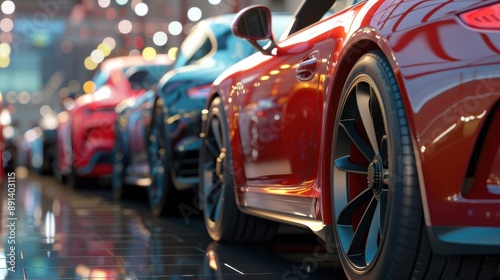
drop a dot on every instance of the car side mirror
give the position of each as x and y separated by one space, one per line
254 24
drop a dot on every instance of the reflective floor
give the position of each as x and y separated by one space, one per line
53 232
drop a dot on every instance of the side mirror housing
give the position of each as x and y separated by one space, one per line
254 24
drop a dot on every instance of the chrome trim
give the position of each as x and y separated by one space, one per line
316 226
291 205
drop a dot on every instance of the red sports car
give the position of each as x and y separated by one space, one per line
376 127
86 135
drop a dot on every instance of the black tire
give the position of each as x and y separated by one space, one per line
161 193
120 190
223 220
376 200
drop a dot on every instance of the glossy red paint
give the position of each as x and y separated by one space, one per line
91 121
281 126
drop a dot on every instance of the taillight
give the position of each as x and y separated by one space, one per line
487 17
199 92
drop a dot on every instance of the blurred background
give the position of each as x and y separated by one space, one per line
49 49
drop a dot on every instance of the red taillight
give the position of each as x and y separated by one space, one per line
487 17
199 92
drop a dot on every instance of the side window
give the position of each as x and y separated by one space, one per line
141 80
204 49
196 45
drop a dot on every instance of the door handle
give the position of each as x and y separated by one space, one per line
307 68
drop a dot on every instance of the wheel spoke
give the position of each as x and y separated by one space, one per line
383 151
215 126
374 232
344 164
349 127
215 203
363 100
209 143
358 239
349 210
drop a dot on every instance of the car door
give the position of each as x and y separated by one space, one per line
279 97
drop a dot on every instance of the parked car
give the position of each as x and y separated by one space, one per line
162 127
130 159
384 120
30 151
91 121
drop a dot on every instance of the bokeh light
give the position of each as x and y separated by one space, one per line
64 92
121 2
214 2
66 46
141 9
8 132
8 7
149 53
105 49
90 64
138 42
11 97
23 97
194 14
5 117
89 87
134 52
97 56
45 110
175 28
103 3
111 13
6 37
172 53
6 25
160 38
4 50
4 61
110 41
125 26
74 86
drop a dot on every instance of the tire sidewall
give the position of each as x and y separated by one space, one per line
117 183
158 208
218 229
387 256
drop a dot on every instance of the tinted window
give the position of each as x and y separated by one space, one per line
196 45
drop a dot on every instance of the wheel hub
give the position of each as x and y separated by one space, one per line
375 176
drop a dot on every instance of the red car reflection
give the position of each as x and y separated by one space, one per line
375 127
86 134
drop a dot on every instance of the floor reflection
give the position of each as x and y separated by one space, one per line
65 234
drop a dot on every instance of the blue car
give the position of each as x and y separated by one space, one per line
163 156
